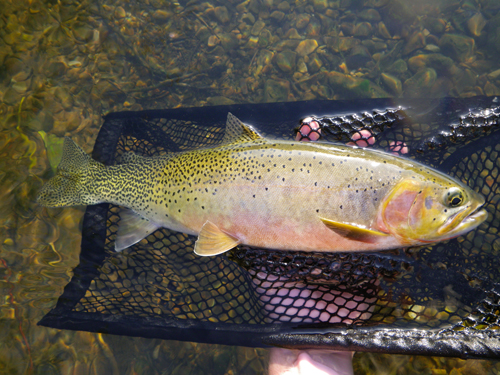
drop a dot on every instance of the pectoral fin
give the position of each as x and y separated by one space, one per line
353 232
213 241
132 228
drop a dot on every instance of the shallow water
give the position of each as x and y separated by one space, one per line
65 64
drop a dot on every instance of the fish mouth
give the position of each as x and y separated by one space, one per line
463 223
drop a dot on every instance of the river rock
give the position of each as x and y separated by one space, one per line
370 15
433 60
306 47
222 14
392 83
421 83
276 91
286 61
476 24
458 47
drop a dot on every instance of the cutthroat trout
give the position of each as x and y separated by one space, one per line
272 194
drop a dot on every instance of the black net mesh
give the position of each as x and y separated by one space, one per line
441 300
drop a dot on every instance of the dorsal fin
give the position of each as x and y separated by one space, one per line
236 131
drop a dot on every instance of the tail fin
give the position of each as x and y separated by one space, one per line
67 188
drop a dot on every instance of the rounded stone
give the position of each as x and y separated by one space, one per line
363 29
161 15
302 21
257 27
222 14
276 91
286 61
476 24
457 47
120 12
369 14
306 47
416 41
421 83
392 83
277 15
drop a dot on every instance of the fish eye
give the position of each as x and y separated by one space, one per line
454 197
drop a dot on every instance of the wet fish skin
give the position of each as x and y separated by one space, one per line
272 194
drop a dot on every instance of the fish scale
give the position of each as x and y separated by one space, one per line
272 194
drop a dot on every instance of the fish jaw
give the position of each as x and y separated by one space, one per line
467 224
466 220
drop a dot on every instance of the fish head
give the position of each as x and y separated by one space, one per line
430 209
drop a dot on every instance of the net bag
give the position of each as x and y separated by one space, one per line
441 300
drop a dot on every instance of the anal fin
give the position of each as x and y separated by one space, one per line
213 241
132 228
354 232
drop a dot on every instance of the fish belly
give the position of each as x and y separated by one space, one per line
286 218
294 225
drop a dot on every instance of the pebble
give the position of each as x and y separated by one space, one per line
457 47
293 34
286 61
276 91
306 47
222 14
393 84
162 15
476 24
277 15
257 27
370 15
120 12
302 21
